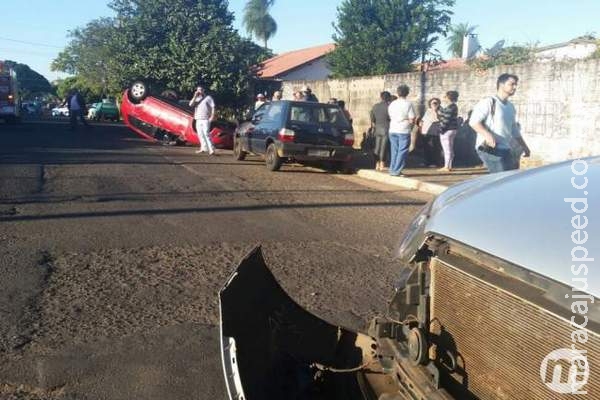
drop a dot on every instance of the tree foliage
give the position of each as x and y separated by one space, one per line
63 86
32 83
173 44
507 56
375 37
91 56
258 21
456 36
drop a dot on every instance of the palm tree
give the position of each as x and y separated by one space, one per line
258 21
456 36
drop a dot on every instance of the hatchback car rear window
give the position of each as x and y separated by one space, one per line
320 114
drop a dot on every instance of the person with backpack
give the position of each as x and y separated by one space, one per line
499 138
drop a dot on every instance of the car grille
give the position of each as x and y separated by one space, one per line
501 337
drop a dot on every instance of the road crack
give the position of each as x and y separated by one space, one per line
28 324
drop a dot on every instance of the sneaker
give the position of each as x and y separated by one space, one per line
199 151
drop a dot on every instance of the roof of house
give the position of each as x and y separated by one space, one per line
285 62
579 40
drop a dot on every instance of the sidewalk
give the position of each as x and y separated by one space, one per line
428 180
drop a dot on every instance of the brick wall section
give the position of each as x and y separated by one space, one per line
558 103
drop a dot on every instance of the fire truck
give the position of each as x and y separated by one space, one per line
10 100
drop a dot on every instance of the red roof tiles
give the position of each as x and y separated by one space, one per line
285 62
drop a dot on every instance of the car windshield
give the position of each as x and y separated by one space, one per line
311 113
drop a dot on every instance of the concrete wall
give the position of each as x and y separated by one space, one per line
558 104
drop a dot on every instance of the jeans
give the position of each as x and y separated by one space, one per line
447 139
497 162
202 127
399 143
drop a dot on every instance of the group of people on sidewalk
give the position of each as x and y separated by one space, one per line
499 143
394 121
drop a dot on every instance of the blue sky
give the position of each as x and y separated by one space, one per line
44 24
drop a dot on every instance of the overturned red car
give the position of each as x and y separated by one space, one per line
163 118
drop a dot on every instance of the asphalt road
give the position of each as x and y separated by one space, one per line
113 251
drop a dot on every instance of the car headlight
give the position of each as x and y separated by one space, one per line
414 236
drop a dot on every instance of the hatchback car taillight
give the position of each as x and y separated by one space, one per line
286 135
348 139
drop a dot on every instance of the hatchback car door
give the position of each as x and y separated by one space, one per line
272 123
256 137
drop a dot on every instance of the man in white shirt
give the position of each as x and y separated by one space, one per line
402 116
499 142
204 113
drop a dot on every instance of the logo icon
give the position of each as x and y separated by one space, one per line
565 371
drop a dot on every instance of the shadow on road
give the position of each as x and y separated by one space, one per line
196 210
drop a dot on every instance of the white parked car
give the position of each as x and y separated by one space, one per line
60 112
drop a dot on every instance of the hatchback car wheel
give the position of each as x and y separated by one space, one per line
238 153
272 159
138 91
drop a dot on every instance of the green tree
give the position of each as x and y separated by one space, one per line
91 55
258 21
386 36
173 44
63 86
456 36
32 83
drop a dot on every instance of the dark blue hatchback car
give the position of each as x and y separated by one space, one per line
296 131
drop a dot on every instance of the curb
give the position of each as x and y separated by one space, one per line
404 182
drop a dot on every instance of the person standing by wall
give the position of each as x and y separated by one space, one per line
402 116
308 94
260 100
204 113
494 120
342 105
276 95
448 117
380 123
430 133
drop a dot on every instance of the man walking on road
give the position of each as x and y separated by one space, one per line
402 116
499 141
76 105
204 113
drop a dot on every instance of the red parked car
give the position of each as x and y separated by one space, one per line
163 118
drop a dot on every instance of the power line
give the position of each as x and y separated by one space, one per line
31 43
27 52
